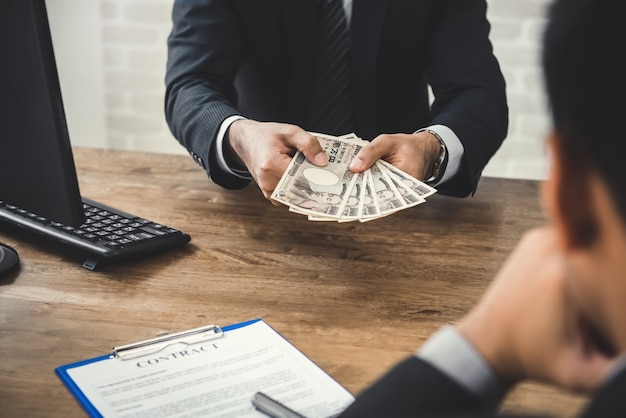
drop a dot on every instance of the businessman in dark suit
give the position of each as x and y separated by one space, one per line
242 77
556 311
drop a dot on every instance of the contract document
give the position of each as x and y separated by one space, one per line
210 375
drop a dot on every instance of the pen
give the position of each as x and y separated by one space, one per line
272 408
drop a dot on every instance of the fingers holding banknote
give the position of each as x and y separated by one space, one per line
414 154
335 193
266 149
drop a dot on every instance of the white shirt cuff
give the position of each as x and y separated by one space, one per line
454 148
450 352
219 147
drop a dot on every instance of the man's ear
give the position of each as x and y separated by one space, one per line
567 195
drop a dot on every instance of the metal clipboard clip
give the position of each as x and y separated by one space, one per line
154 345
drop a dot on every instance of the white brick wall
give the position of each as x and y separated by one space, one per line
133 41
517 27
134 34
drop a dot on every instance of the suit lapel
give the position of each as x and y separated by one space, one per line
301 30
368 22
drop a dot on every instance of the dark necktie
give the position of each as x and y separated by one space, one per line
332 104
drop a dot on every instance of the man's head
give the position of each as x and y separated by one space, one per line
585 77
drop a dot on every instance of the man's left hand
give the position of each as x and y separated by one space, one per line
415 154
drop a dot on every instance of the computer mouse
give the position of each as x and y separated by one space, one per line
8 259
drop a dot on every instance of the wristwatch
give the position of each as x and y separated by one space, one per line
439 166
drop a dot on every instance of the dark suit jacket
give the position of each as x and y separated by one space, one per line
414 388
254 57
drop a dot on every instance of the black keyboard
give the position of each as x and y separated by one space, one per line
108 234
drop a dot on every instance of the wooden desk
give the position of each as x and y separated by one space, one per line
354 297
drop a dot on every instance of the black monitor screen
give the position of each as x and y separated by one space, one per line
37 170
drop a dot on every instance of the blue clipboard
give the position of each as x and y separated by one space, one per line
130 351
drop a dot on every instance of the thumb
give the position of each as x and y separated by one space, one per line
366 157
308 145
586 375
587 357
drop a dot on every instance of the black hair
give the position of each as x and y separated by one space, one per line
585 74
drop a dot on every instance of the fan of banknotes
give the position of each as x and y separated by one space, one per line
334 193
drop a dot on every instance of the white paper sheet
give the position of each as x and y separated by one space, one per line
216 378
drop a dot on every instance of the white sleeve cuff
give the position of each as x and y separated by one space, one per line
620 367
219 147
454 148
450 352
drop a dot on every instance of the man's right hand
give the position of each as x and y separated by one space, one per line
266 149
529 325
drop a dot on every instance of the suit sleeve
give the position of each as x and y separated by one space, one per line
204 54
469 89
417 389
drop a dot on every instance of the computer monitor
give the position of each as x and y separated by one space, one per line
37 171
38 185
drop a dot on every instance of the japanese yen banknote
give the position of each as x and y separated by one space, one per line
334 193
